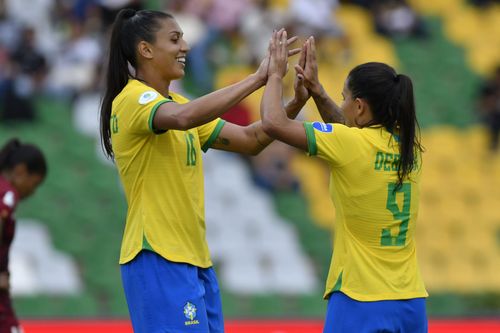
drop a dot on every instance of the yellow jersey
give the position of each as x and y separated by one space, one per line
374 255
162 177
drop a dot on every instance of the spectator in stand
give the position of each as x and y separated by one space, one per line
316 18
484 3
29 69
260 19
222 20
489 108
396 19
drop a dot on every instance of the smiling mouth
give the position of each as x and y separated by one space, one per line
182 60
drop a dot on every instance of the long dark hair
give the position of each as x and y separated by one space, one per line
390 97
130 27
14 153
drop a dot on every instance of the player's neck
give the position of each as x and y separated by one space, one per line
154 81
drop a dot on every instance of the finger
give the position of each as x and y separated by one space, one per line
299 70
273 44
283 40
313 50
293 52
309 56
291 40
301 78
277 38
302 59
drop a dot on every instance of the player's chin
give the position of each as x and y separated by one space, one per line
178 74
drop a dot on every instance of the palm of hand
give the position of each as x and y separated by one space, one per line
301 92
263 68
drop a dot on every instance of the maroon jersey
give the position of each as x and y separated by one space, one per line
8 202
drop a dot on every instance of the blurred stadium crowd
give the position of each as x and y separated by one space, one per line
268 230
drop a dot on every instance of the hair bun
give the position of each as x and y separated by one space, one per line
127 13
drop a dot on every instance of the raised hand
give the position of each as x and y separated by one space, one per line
309 72
262 71
301 92
278 61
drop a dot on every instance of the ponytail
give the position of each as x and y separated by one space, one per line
130 27
408 128
14 153
391 100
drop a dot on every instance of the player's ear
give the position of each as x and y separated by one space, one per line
145 50
363 111
359 106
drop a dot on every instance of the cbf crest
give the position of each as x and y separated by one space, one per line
190 314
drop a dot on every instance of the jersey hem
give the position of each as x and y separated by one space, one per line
378 297
152 116
180 259
213 136
312 148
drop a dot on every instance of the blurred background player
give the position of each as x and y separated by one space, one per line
155 137
22 170
374 153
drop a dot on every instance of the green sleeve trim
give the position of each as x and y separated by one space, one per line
311 139
214 135
152 116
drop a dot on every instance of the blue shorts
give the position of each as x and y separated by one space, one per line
345 314
169 297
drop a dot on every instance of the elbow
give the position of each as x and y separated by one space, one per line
184 121
270 128
254 150
266 126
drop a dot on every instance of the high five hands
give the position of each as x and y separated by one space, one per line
306 82
263 70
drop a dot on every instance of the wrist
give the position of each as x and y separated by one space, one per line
298 102
274 77
293 107
257 80
318 92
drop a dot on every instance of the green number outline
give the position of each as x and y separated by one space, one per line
191 150
114 124
403 215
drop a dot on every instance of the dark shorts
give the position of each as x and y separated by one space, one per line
346 315
169 297
8 319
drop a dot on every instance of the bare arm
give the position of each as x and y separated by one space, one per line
328 109
251 139
275 122
207 108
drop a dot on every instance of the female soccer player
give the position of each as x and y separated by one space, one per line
22 170
374 283
156 137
